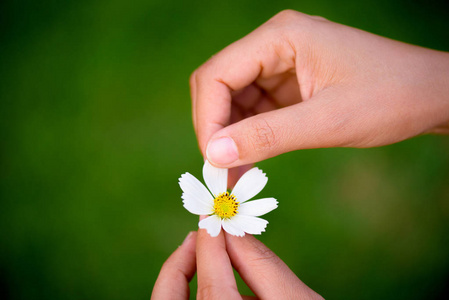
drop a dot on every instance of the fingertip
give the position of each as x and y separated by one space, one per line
222 151
191 236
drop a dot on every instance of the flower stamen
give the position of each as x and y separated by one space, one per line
225 205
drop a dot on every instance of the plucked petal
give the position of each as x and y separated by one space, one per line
194 189
216 179
212 224
249 224
231 228
250 184
258 207
195 206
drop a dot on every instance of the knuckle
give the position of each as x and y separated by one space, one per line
263 137
291 18
288 23
207 291
264 256
201 72
287 15
171 267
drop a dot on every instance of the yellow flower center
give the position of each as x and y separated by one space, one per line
225 205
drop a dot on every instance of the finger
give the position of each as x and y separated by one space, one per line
192 82
214 270
321 122
177 271
264 272
262 53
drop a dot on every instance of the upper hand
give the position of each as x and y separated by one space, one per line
301 81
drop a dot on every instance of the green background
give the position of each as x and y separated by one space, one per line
95 130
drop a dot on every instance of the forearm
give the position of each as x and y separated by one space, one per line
437 73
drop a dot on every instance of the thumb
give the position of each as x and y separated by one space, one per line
264 272
316 123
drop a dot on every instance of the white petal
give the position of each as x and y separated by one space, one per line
212 224
231 228
195 206
249 185
216 179
194 189
249 224
258 207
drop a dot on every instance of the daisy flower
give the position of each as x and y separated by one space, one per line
232 211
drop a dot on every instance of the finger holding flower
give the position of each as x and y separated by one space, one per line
214 258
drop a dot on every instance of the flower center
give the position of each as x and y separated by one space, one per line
225 205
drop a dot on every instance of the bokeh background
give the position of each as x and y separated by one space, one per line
95 130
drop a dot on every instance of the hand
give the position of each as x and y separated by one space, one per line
177 271
265 273
301 81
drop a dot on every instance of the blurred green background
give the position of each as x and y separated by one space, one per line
95 130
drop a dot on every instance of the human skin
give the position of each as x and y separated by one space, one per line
297 82
214 258
300 82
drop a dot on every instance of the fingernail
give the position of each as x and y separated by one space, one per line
187 237
222 151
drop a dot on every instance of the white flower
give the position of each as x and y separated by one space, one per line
224 209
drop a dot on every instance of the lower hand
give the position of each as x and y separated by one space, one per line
214 258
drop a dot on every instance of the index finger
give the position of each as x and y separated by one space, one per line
262 53
214 270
